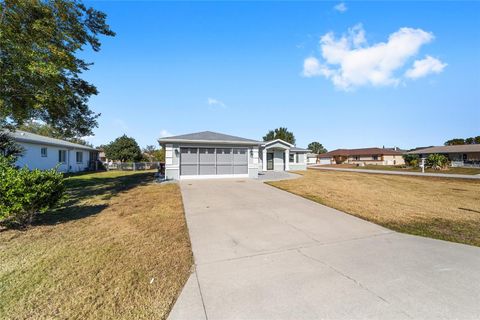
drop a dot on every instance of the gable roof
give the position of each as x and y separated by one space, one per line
28 137
463 148
267 143
360 152
209 137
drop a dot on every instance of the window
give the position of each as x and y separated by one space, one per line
291 157
44 152
79 156
62 156
356 158
375 157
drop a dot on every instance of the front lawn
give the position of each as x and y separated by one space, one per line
441 208
119 249
451 170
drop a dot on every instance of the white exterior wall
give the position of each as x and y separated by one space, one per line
32 158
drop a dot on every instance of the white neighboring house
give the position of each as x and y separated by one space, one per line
46 153
312 158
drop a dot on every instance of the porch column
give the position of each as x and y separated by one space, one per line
264 159
287 159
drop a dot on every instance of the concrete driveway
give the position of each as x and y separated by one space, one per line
262 253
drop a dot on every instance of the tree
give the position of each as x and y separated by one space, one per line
9 148
454 142
411 160
154 154
46 130
280 133
316 147
40 72
123 149
470 140
476 140
436 161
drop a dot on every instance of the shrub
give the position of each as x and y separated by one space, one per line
25 194
411 160
436 161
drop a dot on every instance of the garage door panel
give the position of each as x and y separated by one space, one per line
207 161
224 169
188 161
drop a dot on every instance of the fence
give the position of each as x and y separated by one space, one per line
134 166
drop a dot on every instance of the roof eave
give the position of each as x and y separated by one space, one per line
245 143
75 146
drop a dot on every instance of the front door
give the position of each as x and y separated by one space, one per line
269 161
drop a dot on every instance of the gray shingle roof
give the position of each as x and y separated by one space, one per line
23 136
209 137
464 148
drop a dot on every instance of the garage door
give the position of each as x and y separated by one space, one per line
213 161
324 160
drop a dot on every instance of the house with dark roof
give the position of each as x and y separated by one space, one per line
44 153
364 156
216 155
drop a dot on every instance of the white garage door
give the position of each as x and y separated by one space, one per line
324 160
214 162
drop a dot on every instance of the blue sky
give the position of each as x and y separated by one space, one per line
361 74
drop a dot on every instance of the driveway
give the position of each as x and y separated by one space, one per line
262 253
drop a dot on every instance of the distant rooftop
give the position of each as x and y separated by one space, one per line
28 137
463 148
360 152
209 136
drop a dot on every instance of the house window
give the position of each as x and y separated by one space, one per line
375 157
356 158
79 157
43 151
291 157
62 156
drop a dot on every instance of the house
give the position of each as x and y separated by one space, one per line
365 156
312 158
215 155
46 153
467 155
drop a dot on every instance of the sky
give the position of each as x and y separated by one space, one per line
346 74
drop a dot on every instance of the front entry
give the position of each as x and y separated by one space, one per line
269 161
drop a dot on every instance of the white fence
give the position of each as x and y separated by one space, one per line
133 166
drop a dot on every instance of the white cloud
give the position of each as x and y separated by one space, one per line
165 133
426 66
341 7
216 103
350 62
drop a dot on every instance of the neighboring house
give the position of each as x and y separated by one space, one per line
216 155
467 155
312 158
46 153
365 156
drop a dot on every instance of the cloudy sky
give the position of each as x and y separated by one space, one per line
346 74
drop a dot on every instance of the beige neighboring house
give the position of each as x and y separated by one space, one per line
466 155
365 156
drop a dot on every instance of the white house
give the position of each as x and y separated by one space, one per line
216 155
46 153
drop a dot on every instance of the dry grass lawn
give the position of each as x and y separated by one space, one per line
451 170
447 209
118 250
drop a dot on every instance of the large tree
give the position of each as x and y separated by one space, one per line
123 149
40 72
154 154
280 133
9 148
453 142
316 147
46 130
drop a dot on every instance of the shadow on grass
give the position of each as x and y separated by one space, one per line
91 187
69 214
104 188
